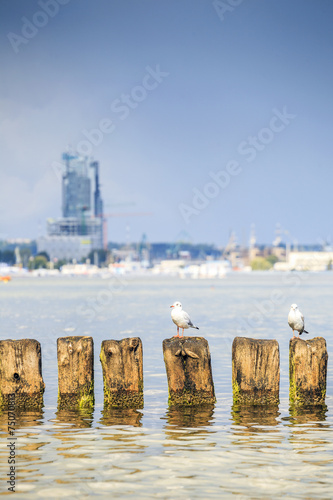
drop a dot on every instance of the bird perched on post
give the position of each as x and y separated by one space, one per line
296 320
181 318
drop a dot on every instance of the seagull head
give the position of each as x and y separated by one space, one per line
176 304
294 306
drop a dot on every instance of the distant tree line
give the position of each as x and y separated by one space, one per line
7 257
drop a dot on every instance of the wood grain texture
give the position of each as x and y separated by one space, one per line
122 366
255 371
188 366
307 371
21 373
75 372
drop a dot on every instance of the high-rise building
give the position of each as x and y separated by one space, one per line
81 227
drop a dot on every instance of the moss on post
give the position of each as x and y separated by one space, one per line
307 371
21 381
255 371
75 372
122 367
189 372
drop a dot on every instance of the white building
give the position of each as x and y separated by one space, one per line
65 247
306 261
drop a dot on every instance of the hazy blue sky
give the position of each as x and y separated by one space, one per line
214 115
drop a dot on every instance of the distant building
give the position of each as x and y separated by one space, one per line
306 261
82 226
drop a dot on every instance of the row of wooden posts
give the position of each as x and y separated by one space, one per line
255 372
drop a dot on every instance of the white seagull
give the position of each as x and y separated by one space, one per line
296 320
181 318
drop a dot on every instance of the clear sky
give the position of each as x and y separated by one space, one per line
212 115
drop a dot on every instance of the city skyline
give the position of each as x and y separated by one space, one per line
211 116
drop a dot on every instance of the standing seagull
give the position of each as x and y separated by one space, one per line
181 318
296 320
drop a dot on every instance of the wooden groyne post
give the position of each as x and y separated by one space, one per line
307 371
21 381
75 372
122 367
188 366
255 371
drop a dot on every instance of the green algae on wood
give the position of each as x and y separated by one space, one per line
188 366
75 372
307 371
21 381
255 371
122 366
235 391
249 415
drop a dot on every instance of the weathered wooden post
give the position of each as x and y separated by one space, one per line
189 372
122 372
21 381
307 371
75 372
255 371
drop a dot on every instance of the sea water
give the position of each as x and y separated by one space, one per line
158 452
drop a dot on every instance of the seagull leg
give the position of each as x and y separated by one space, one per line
183 333
177 332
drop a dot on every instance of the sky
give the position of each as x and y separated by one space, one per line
209 116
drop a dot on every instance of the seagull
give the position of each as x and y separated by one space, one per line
181 318
296 320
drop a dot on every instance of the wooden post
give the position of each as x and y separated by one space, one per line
122 372
255 371
75 372
189 372
307 371
21 381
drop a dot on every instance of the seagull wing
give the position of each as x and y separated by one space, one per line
301 317
187 319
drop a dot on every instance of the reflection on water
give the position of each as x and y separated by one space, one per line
22 419
75 418
24 431
121 416
309 435
189 416
254 418
189 429
307 414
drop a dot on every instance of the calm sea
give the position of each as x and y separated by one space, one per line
157 452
